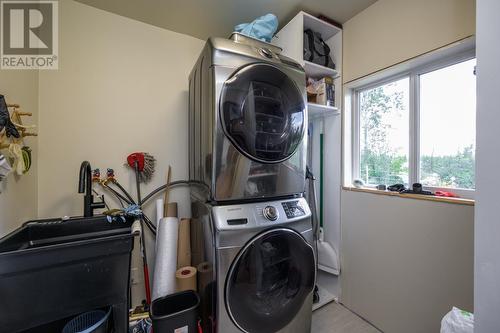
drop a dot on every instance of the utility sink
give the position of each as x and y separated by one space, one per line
40 233
53 269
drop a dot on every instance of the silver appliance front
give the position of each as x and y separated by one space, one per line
259 148
247 119
265 267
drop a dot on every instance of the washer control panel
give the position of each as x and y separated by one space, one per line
293 209
260 214
270 213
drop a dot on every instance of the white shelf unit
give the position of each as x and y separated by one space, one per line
325 297
317 71
325 124
318 110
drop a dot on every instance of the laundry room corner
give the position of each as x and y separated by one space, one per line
194 166
106 101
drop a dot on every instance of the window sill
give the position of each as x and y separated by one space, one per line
456 201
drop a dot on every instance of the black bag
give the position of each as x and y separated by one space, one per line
316 50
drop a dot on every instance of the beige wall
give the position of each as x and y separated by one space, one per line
121 87
405 262
392 31
18 202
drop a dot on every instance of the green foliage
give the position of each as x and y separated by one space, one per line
383 168
379 164
449 171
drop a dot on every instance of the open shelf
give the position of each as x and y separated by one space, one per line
318 110
325 297
326 29
317 71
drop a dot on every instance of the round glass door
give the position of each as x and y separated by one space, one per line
269 281
262 112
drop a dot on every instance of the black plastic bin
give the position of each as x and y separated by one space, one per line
176 313
54 269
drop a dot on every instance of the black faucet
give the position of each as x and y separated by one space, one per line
85 186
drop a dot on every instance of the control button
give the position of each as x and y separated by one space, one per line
270 213
266 53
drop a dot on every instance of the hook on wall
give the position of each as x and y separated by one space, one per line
24 130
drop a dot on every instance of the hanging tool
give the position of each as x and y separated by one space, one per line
144 164
144 167
5 121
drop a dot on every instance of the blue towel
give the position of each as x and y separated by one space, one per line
262 28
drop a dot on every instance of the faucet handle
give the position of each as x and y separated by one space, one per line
101 204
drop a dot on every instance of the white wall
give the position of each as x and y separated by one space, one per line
487 226
18 201
405 262
392 31
121 87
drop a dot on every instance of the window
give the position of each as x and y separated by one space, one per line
384 128
416 124
448 126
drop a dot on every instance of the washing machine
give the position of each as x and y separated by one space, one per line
247 121
256 266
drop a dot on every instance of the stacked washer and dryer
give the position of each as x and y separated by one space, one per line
251 230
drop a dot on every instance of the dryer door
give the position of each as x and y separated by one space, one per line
269 281
263 113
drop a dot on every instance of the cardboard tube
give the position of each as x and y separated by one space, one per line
184 244
186 278
172 209
205 275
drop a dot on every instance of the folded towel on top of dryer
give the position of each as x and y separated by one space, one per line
262 28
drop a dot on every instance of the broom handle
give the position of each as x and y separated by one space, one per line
137 182
166 194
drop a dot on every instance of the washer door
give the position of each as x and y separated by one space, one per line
269 281
263 113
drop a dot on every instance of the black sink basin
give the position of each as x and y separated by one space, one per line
39 233
53 269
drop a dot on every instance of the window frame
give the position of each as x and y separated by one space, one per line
413 70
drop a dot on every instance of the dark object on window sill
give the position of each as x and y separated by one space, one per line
397 188
381 187
417 189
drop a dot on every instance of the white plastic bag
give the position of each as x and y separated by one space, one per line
457 321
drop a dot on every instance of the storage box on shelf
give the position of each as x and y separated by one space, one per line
291 39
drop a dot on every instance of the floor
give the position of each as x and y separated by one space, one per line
335 318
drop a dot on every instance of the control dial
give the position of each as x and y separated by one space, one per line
270 213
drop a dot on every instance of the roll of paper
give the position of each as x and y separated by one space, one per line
204 275
159 216
166 257
186 278
184 244
159 211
